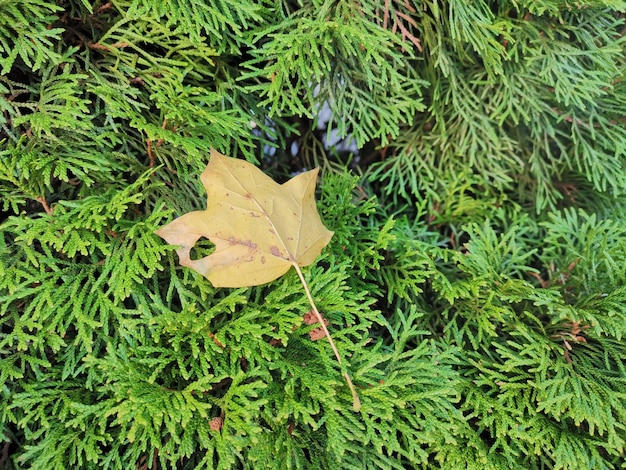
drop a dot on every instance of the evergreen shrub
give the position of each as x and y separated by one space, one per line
473 161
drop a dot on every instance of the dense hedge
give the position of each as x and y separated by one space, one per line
473 160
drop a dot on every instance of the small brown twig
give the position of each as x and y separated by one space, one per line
158 144
45 205
102 8
542 282
150 154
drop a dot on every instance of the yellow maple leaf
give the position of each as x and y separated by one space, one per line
259 228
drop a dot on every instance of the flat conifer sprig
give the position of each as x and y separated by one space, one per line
260 230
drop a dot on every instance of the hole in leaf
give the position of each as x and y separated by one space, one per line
202 248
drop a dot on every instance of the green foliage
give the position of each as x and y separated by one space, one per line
24 33
474 283
326 54
519 103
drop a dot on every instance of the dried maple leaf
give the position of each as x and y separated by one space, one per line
260 229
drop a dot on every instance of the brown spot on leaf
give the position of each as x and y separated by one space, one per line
275 250
249 243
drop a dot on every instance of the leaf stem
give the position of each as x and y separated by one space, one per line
356 402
